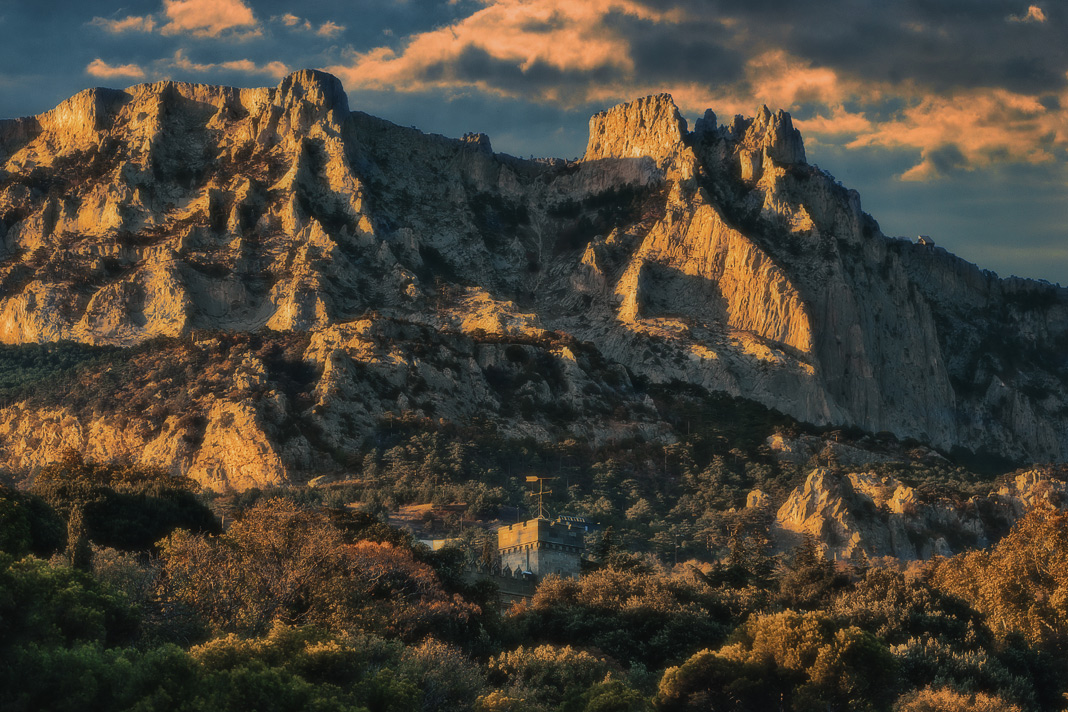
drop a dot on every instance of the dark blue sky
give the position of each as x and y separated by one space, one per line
949 116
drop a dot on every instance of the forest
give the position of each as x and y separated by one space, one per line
126 588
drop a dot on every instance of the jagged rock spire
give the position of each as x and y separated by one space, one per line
651 126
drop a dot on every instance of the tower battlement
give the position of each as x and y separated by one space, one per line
543 546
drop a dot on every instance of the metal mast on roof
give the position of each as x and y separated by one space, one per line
540 494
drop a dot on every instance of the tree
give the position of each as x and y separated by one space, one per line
1021 585
79 553
127 507
947 699
28 525
808 580
633 616
282 563
58 605
613 695
818 665
549 674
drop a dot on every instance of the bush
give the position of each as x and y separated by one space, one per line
280 563
634 617
126 507
549 674
56 605
946 699
28 525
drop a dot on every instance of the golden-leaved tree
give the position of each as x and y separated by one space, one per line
283 563
1021 585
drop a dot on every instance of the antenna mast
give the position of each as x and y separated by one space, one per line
540 494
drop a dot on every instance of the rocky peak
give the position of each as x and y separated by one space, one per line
307 98
651 126
478 142
320 89
706 125
776 135
87 112
173 207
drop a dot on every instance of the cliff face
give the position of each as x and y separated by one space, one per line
716 257
864 513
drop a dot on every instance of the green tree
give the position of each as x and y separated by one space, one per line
808 580
820 665
125 507
28 525
708 682
633 616
79 553
57 605
946 699
549 674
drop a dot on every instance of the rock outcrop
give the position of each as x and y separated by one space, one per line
717 258
650 127
864 514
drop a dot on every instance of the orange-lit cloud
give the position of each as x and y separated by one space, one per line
518 35
180 61
778 79
518 39
330 29
840 122
972 129
208 18
130 23
1034 14
100 68
327 29
574 52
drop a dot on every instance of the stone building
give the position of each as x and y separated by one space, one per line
542 546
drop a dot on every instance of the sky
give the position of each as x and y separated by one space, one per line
950 117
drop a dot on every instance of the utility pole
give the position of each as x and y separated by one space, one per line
540 494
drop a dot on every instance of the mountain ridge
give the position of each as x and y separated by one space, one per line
716 257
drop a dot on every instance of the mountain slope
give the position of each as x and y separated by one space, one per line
716 257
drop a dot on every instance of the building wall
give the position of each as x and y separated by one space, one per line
542 547
511 589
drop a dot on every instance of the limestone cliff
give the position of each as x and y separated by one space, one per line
715 257
864 513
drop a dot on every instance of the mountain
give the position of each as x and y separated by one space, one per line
287 272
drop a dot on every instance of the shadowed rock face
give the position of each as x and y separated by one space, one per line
716 257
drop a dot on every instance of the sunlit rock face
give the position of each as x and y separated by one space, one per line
717 257
863 514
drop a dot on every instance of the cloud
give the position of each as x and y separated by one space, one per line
130 23
291 20
180 61
973 129
100 68
509 48
330 29
1034 14
899 76
841 122
327 29
209 18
